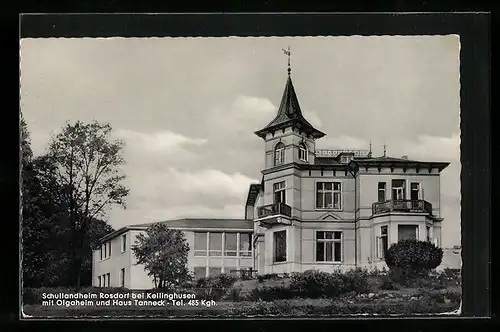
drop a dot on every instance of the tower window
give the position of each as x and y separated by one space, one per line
279 154
302 152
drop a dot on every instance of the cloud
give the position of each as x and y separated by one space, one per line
164 141
151 213
250 106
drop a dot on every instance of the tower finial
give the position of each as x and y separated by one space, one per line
385 150
288 54
370 152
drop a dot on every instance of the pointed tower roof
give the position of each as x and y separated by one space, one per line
289 114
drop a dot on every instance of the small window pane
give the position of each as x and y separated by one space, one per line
329 251
231 241
329 235
200 241
320 251
200 272
338 252
245 241
319 185
215 241
328 186
337 235
336 186
320 235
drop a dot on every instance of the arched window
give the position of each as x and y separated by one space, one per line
302 152
279 154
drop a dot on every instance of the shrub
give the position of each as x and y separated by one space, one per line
314 284
271 293
387 283
223 280
411 258
356 281
262 277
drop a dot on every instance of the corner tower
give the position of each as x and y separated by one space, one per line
289 137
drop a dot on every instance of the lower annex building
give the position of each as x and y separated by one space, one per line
314 209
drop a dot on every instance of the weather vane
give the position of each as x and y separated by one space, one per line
287 52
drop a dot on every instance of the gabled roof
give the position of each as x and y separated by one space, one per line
289 114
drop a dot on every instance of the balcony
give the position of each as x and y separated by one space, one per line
273 214
402 205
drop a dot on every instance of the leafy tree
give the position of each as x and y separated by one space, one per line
412 258
87 164
163 252
26 152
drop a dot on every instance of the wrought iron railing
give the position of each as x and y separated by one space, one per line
336 152
274 209
402 205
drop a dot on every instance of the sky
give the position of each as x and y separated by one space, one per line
187 109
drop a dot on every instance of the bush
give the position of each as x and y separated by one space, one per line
269 276
356 281
223 280
411 258
271 293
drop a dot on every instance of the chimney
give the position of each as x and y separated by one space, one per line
404 157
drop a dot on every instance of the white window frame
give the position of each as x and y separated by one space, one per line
333 191
122 277
399 190
226 251
419 189
246 253
124 243
201 252
384 189
303 153
220 251
281 188
417 230
380 243
331 242
275 247
279 154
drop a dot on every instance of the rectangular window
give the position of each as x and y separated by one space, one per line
122 277
328 246
108 276
279 192
407 232
213 271
200 244
329 195
398 189
100 281
280 246
231 244
101 251
124 243
245 244
383 243
200 272
415 190
381 191
215 244
103 280
428 233
109 249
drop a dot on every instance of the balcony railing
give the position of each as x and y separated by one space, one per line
402 205
274 210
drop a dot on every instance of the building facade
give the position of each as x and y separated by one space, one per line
314 209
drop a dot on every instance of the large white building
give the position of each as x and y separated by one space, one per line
314 209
